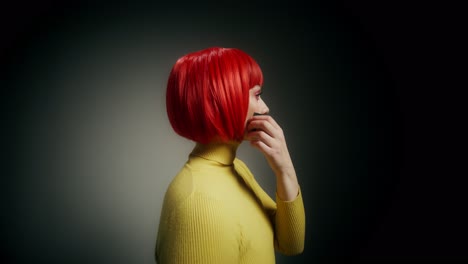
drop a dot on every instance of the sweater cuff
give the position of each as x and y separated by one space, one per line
297 199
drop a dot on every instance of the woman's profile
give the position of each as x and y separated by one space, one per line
214 210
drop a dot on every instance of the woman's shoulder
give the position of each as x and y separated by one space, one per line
180 188
243 169
192 183
188 190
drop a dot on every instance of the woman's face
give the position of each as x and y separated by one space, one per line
256 104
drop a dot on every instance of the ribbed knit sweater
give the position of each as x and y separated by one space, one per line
214 211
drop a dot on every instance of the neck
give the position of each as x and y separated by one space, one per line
222 152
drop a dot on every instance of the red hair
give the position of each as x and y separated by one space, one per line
207 95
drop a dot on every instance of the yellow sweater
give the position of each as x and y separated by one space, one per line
214 211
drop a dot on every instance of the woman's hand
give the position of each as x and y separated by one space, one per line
267 136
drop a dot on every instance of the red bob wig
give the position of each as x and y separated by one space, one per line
207 95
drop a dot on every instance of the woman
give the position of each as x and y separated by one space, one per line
214 211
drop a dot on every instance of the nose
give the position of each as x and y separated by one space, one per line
265 109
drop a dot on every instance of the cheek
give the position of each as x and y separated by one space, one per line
253 106
250 110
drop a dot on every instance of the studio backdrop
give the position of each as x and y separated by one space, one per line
93 151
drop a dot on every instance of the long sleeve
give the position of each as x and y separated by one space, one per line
198 230
290 226
288 218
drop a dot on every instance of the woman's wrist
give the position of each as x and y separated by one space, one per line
287 185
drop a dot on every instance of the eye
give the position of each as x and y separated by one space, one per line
258 94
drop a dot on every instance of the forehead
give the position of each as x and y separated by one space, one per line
256 88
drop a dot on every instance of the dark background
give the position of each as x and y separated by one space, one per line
372 102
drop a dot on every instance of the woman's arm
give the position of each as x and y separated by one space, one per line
266 135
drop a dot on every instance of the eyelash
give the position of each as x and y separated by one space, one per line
260 93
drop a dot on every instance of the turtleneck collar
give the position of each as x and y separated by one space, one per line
224 153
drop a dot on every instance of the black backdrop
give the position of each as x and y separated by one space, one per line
365 98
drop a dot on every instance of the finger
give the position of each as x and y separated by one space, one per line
262 125
267 118
261 136
260 145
